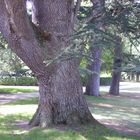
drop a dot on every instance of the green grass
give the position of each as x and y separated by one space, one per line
24 102
17 90
9 131
118 110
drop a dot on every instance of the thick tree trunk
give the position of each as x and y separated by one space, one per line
95 66
116 72
61 98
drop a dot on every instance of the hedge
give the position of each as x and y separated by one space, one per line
21 81
103 81
32 81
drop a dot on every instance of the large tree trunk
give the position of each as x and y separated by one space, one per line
61 98
116 72
62 95
95 66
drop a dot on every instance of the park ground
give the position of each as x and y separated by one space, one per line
120 115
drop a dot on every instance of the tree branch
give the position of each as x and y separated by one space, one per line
18 20
77 7
97 11
16 29
4 27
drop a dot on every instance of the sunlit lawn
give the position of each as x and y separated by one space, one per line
9 90
122 112
110 109
9 131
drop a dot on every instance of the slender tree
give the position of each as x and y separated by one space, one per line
38 43
95 66
126 21
116 72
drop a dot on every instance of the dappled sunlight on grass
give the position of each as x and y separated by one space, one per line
54 134
7 123
112 110
16 109
108 110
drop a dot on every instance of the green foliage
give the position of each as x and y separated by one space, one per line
7 81
107 59
23 81
105 80
84 79
3 43
9 61
26 81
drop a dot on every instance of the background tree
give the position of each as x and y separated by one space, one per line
94 21
116 72
126 24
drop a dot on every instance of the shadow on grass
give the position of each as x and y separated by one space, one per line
117 112
8 131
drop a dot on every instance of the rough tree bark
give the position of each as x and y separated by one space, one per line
116 72
39 42
94 79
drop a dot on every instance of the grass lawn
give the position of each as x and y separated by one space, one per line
112 110
121 112
8 90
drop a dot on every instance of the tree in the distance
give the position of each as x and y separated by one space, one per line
38 43
93 84
116 71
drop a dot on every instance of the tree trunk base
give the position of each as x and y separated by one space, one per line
70 116
61 98
72 120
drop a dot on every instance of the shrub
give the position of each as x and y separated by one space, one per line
84 80
7 81
21 81
105 81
